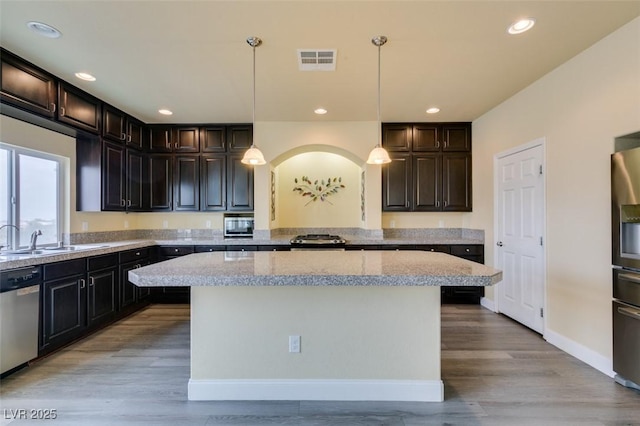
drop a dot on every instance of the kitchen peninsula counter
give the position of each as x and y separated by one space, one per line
368 322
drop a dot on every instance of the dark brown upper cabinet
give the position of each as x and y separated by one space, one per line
78 108
186 182
239 137
426 137
26 86
213 182
239 184
160 182
213 139
430 168
165 138
118 126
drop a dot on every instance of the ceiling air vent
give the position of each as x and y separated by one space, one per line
317 59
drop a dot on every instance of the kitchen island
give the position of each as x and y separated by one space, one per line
368 321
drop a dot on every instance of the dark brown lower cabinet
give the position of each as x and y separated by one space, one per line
131 296
177 294
474 253
102 293
63 303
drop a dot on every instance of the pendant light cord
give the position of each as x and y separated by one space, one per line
379 123
253 115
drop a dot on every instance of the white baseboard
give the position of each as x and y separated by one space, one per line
488 304
584 354
316 390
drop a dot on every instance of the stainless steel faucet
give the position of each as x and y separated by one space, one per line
4 226
34 239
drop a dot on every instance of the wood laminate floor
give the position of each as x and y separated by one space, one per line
496 372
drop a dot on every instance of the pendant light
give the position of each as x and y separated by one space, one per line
379 155
253 156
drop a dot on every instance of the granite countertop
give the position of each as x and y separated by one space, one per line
85 250
316 268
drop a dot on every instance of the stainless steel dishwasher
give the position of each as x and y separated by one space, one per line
19 316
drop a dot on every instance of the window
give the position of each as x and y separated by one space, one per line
30 197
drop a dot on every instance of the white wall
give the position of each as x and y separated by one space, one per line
579 108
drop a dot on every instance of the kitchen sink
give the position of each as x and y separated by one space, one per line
49 250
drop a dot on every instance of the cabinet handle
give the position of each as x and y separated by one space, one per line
53 107
129 138
82 282
122 203
123 136
176 145
61 111
92 281
176 250
446 203
437 144
137 253
128 203
467 250
438 203
138 265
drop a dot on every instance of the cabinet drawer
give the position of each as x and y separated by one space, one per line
433 248
205 249
134 255
465 250
242 248
67 268
176 250
101 262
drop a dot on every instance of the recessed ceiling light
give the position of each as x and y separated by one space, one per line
320 111
165 112
85 76
521 26
43 29
433 110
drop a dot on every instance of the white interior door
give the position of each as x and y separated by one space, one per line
519 234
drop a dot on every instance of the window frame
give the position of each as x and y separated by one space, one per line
13 207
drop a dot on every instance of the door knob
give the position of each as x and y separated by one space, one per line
499 244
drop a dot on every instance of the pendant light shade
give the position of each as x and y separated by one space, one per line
379 155
253 156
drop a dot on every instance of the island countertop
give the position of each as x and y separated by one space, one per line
316 268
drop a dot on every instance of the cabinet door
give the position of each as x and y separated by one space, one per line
427 175
426 137
63 310
213 139
134 133
26 87
186 185
113 177
213 182
396 183
114 124
160 138
186 139
102 295
78 108
456 182
397 137
160 182
128 291
137 193
239 137
239 184
456 137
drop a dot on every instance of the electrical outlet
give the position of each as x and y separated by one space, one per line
126 224
441 223
294 344
392 224
208 224
85 226
165 224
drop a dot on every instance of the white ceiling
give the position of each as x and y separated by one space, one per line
192 57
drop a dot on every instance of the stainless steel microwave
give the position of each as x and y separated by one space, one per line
238 225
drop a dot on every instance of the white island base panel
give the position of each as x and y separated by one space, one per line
363 343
